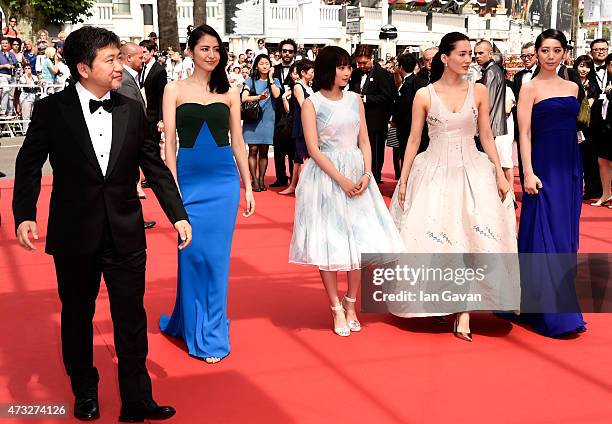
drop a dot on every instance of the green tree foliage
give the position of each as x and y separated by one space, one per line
51 11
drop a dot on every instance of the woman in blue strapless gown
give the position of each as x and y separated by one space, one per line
552 198
203 108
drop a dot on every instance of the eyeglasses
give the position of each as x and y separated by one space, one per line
13 22
527 56
287 50
600 49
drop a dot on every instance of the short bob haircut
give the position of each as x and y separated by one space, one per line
304 65
587 60
328 59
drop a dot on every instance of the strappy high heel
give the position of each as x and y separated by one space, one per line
463 336
353 324
343 331
602 202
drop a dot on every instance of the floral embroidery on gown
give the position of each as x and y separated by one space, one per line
452 204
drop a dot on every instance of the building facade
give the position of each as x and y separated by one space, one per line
241 22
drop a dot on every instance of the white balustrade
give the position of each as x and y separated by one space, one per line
282 13
184 11
329 15
103 13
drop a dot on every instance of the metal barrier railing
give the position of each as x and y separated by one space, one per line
15 125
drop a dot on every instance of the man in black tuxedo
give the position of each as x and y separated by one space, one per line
599 52
96 139
530 61
402 110
377 89
153 79
283 144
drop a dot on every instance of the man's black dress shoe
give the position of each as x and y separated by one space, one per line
279 184
144 184
149 224
138 412
86 408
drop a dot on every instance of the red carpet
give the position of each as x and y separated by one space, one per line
286 365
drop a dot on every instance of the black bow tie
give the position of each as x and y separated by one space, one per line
529 71
107 105
599 68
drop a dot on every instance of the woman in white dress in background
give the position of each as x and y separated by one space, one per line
449 198
338 214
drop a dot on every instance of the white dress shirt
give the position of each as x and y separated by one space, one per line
528 75
146 68
99 125
133 73
601 77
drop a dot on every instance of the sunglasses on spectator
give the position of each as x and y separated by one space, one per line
527 56
287 50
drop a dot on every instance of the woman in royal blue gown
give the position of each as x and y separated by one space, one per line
203 109
552 197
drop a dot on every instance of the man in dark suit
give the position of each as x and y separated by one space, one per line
377 89
425 71
131 57
96 139
283 144
153 79
402 110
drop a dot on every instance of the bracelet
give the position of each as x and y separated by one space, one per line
368 174
403 182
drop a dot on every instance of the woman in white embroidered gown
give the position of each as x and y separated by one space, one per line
338 214
448 199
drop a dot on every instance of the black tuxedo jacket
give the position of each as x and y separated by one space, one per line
380 92
402 108
154 86
422 78
279 110
83 200
517 81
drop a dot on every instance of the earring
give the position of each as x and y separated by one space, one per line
446 65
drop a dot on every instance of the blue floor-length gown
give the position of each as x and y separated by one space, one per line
550 220
210 188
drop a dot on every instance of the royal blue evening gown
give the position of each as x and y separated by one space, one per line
210 188
550 220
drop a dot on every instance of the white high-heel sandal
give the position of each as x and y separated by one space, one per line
602 202
344 331
353 324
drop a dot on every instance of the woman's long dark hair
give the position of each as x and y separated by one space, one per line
255 72
218 78
554 34
447 45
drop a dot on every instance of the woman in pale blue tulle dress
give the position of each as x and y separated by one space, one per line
338 214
